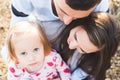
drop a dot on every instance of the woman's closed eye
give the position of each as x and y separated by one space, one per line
75 36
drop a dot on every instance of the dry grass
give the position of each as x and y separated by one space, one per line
4 24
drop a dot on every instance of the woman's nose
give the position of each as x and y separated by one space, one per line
72 43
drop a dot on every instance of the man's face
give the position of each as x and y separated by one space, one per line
67 14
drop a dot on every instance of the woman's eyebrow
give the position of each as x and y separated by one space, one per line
75 36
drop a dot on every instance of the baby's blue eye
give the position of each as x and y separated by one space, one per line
36 49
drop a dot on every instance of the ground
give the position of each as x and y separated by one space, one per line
112 74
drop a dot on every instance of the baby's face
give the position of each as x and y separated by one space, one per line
78 39
29 51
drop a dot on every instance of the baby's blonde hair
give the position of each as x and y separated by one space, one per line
21 28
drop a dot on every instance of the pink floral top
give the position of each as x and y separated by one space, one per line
53 67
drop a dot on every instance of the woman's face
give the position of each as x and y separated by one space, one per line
78 39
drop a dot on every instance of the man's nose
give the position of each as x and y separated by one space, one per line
67 19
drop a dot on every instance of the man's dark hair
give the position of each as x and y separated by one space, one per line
82 4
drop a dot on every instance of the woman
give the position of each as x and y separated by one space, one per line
88 44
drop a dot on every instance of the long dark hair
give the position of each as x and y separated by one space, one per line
104 33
